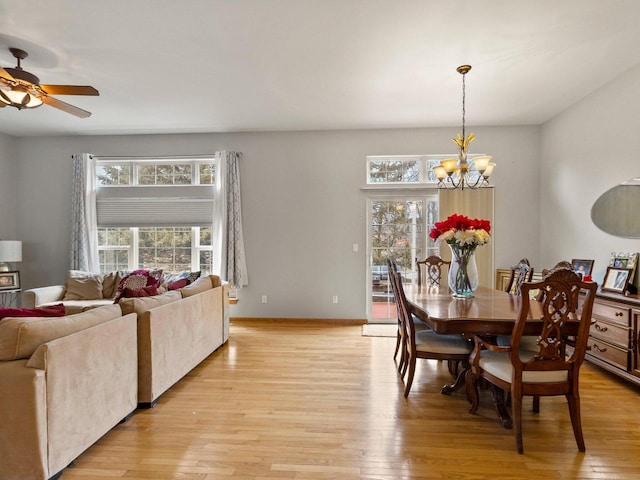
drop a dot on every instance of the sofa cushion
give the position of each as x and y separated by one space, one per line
81 285
56 310
139 279
200 285
77 306
110 283
191 277
139 292
140 305
177 284
19 337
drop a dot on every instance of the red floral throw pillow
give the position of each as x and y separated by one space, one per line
139 279
48 311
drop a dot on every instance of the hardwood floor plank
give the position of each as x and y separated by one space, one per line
313 400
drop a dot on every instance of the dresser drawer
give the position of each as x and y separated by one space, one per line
609 353
611 333
612 313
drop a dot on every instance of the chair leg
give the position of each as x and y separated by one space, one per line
516 414
405 357
574 411
412 371
536 404
395 353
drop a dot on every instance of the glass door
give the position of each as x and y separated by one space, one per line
398 230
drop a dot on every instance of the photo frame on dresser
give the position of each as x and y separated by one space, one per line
582 267
616 279
625 260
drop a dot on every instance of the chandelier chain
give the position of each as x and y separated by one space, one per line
464 96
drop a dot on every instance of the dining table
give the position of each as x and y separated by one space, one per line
489 312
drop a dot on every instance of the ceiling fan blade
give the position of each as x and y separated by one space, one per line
69 90
59 104
5 74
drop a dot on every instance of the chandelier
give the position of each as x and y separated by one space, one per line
456 172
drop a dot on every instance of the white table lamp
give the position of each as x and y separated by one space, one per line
10 251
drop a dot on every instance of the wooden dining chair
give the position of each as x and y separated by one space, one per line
424 344
520 273
553 369
419 325
432 268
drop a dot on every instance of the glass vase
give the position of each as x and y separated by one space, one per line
463 271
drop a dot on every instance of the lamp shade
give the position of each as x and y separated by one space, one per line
10 251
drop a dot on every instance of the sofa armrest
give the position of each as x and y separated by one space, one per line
23 436
91 385
37 296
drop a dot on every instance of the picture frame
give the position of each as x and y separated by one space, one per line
616 279
9 280
582 267
625 260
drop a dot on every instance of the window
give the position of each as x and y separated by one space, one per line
409 169
172 249
155 213
155 172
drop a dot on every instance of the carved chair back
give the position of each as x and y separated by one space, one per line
520 273
433 270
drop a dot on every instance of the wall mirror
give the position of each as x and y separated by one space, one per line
616 211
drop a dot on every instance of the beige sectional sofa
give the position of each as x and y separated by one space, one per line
64 383
176 330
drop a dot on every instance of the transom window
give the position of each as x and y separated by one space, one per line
151 172
408 169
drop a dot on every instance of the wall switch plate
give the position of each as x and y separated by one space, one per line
264 299
355 247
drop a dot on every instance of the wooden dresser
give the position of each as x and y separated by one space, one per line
615 335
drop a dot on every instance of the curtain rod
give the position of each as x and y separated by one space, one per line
155 157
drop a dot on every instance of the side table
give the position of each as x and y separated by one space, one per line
9 298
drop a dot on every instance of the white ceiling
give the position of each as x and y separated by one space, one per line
169 66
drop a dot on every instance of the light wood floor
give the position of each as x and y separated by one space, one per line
306 401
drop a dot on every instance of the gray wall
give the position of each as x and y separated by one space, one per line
302 201
304 208
588 149
8 187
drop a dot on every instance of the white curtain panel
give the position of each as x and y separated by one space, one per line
83 253
227 220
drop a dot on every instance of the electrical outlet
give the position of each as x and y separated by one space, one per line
335 299
264 299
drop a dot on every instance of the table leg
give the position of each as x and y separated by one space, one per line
460 381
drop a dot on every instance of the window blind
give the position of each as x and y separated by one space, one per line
167 205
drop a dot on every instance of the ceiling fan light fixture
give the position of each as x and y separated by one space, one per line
19 98
22 89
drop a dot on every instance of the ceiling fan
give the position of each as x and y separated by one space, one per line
21 89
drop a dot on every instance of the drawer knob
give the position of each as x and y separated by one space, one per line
601 329
598 348
619 314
